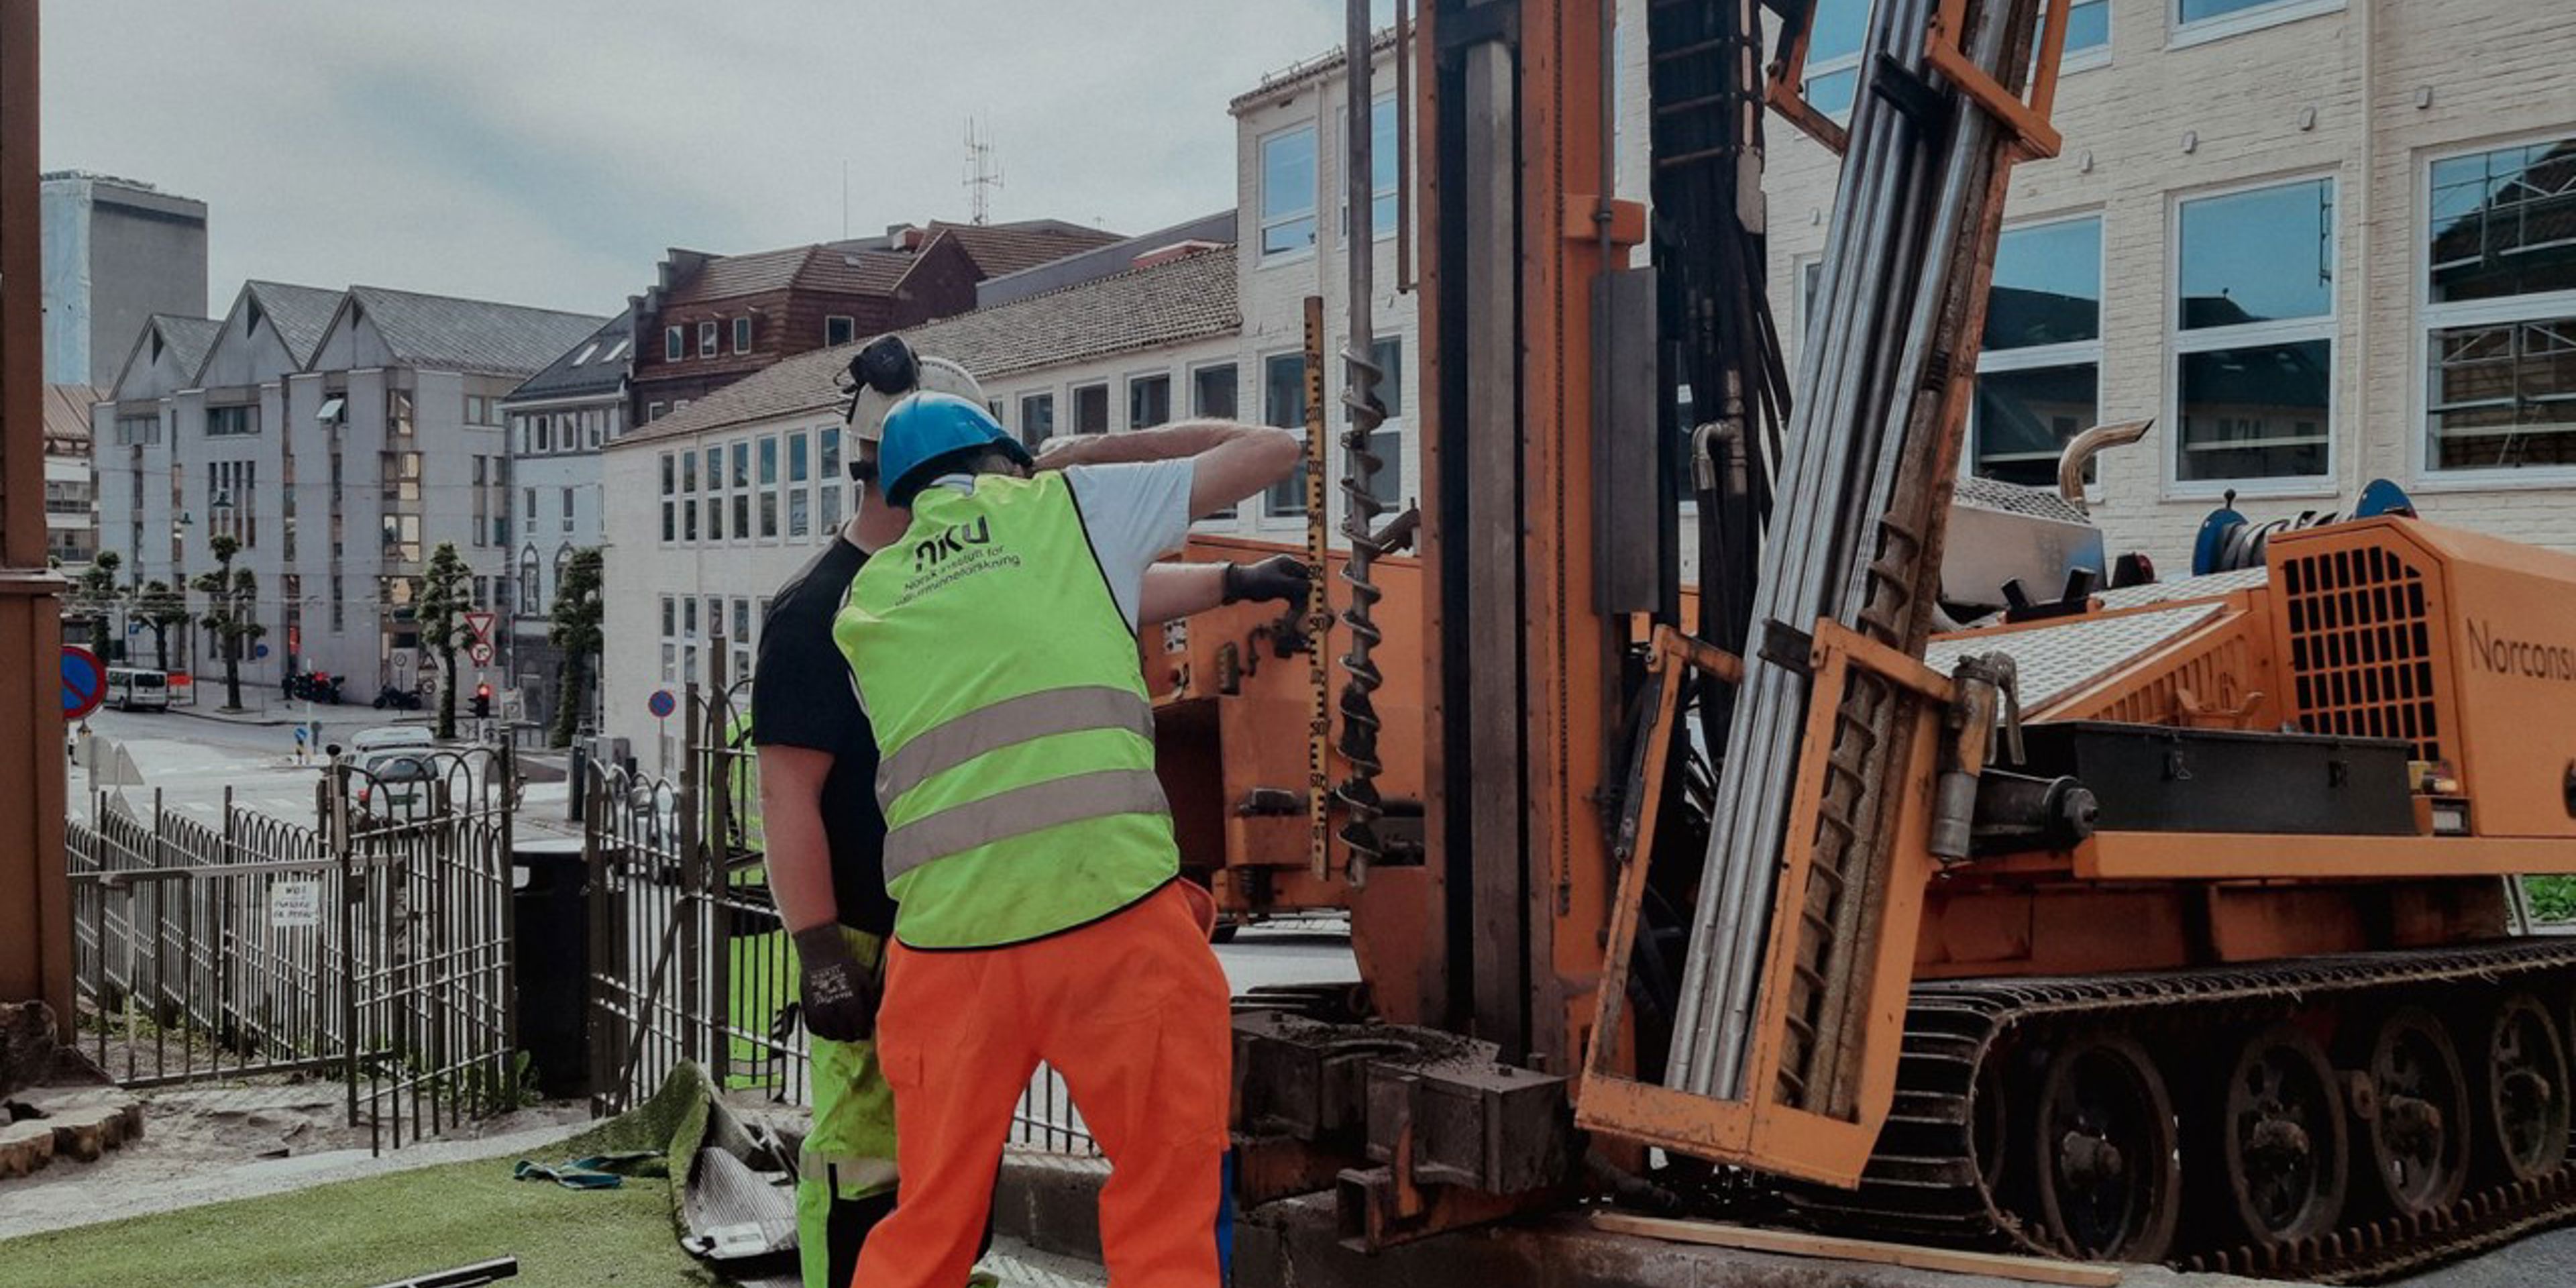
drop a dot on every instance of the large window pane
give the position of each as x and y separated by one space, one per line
2025 417
1037 419
1288 191
1382 172
1283 403
1149 401
2048 286
1091 409
2255 412
2259 256
1833 55
2504 223
2088 25
1212 392
2504 394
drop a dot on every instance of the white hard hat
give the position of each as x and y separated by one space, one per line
935 375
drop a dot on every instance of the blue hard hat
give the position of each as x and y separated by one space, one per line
926 426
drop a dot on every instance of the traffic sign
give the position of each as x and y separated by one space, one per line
480 654
661 704
259 652
84 682
481 624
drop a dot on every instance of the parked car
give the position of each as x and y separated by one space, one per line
394 784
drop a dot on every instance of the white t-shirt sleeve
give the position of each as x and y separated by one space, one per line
1135 514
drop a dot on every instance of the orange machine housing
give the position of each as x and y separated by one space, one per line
1234 717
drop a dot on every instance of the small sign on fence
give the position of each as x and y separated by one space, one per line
295 905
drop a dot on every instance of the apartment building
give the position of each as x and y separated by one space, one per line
2317 241
556 425
712 507
71 488
116 252
710 320
339 436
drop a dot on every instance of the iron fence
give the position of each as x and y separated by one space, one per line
690 959
374 946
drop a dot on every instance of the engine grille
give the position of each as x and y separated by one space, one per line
2361 646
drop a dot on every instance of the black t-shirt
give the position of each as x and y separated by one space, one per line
801 697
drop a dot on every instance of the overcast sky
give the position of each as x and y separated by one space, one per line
547 151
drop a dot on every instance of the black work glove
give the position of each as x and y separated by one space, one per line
1279 577
840 992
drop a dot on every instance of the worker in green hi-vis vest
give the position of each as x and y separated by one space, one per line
1040 913
825 834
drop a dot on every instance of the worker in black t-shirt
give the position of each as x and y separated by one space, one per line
826 841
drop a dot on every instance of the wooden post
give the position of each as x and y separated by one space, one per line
35 898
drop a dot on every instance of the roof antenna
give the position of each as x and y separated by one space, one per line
983 173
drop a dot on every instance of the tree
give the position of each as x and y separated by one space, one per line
95 596
574 631
445 595
232 611
159 606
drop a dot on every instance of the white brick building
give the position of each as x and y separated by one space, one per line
2318 241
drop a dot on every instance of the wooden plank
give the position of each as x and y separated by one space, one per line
1796 1243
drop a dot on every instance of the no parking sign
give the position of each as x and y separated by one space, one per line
84 682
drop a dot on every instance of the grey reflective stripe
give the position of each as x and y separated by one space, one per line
1013 720
1020 811
856 1172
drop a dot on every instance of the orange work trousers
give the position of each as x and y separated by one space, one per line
1132 1010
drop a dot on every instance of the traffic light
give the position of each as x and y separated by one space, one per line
483 701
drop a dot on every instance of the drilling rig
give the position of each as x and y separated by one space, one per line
2143 921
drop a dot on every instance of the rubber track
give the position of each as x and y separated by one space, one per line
1922 1184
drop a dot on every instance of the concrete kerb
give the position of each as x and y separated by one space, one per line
1051 1203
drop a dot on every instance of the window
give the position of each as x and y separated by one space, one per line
2196 20
1833 56
1387 444
829 504
1037 419
545 433
741 618
1149 401
1288 192
232 422
800 498
1212 391
688 518
587 351
567 509
769 486
1382 175
742 335
670 470
232 500
402 538
2500 309
688 471
827 442
482 499
707 338
2088 27
400 475
839 329
655 411
675 343
670 611
2254 334
1283 403
136 431
1091 409
689 617
742 463
2039 376
530 601
398 412
476 408
715 469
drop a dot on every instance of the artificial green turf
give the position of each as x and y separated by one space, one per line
392 1227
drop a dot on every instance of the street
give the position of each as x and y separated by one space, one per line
191 759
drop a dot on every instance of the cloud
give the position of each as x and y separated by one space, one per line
547 153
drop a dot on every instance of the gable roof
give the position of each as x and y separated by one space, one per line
585 368
1179 300
1011 248
187 339
301 314
446 333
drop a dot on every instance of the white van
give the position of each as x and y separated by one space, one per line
135 688
387 737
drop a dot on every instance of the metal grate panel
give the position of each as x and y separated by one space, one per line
2361 646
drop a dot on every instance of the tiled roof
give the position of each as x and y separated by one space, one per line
446 333
67 417
1186 299
190 339
300 313
586 367
1009 248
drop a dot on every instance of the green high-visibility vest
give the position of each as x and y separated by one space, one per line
1014 734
